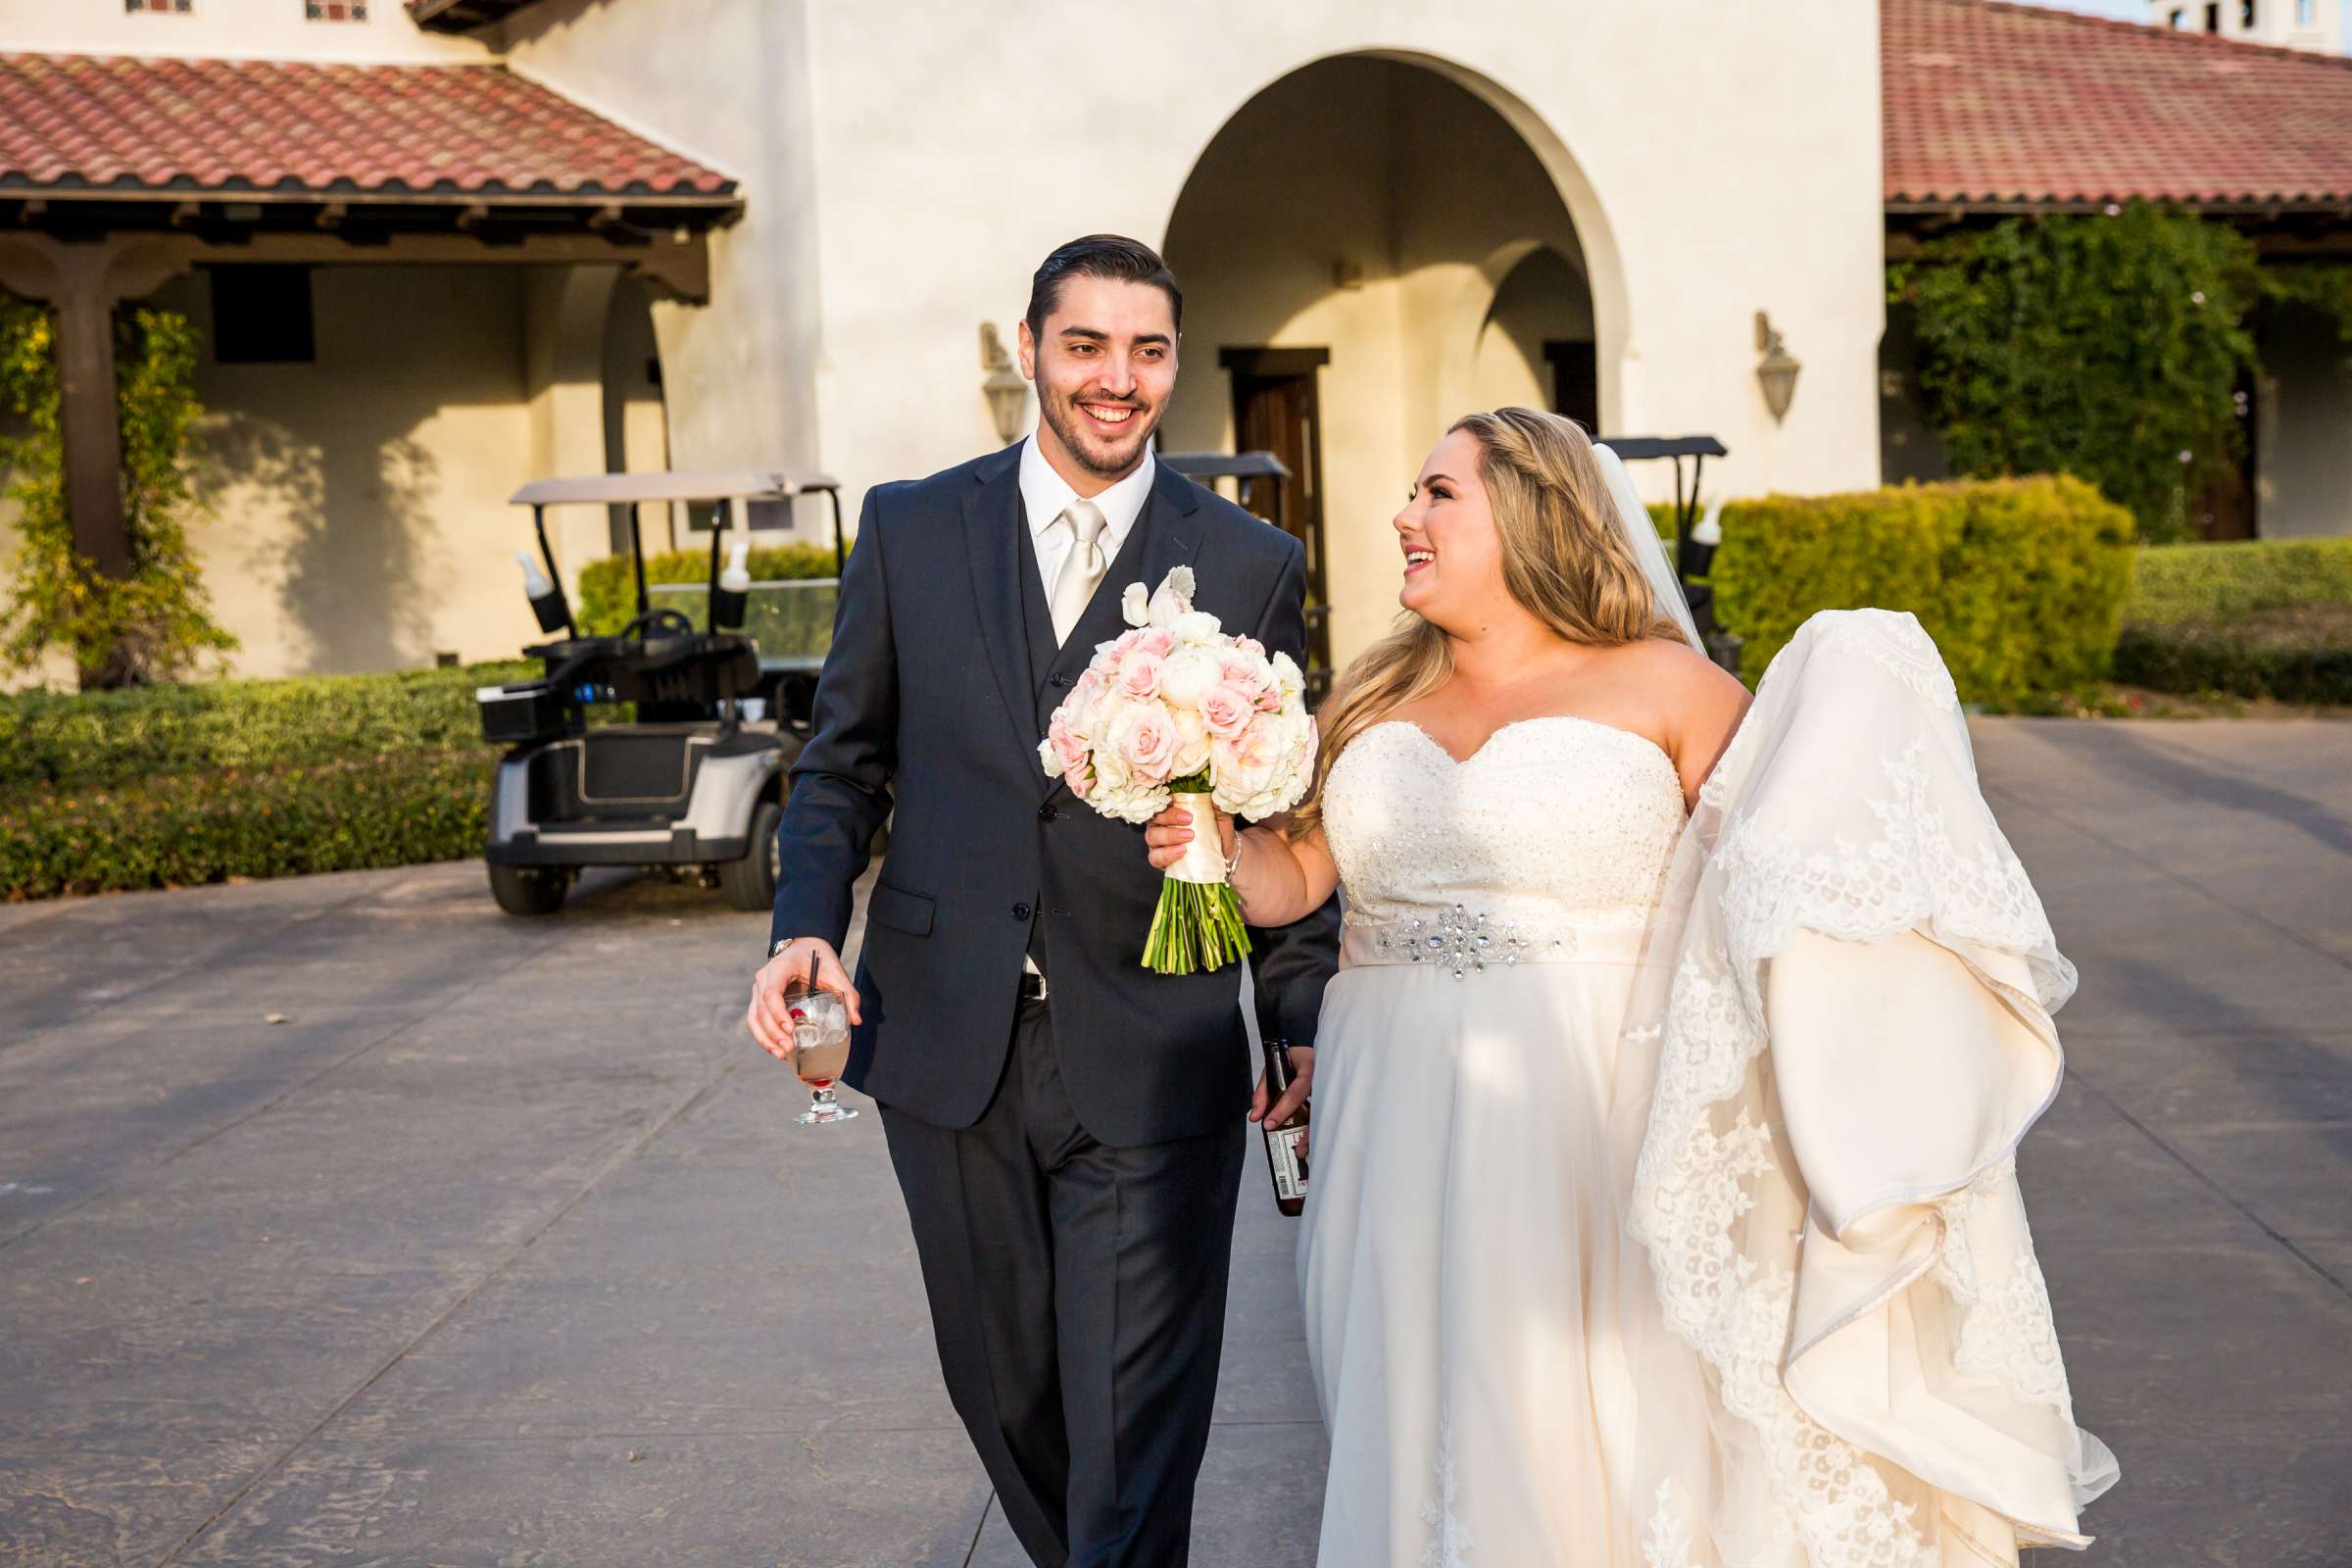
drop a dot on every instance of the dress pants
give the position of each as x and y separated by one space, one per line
1078 1294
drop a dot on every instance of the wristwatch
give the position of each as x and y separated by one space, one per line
779 945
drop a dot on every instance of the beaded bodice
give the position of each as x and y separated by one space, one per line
1554 819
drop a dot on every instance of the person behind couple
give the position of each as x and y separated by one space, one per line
1522 746
1068 1127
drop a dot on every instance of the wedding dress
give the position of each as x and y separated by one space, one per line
1664 1211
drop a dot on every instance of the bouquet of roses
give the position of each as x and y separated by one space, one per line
1175 710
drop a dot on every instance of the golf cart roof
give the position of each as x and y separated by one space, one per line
1634 447
1226 465
726 484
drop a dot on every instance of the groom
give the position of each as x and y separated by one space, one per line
1068 1127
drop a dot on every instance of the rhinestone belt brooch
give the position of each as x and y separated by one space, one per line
1462 942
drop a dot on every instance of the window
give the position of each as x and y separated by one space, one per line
334 10
134 6
2178 19
2245 15
262 315
2302 13
2213 19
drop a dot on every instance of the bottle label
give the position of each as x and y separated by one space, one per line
1289 1175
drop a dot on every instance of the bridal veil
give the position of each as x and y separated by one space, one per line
1840 1034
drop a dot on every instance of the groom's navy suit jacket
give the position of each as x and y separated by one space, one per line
936 693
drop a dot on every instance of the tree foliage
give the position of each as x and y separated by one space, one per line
2110 347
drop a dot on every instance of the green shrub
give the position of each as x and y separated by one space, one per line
400 809
2020 581
2198 659
2178 584
103 740
609 586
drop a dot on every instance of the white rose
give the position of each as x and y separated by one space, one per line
1197 626
1190 671
1286 677
1192 743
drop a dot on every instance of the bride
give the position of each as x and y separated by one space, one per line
1664 1210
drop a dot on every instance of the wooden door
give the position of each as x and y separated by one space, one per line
1276 409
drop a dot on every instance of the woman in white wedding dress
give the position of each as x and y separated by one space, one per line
1565 1299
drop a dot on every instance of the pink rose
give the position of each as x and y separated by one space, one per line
1069 747
1244 763
1140 673
1227 709
1159 640
1251 646
1149 743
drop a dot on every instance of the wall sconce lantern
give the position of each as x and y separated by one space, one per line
1778 372
1008 394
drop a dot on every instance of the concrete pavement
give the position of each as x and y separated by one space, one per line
501 1249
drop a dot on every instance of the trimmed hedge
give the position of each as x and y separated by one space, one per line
2258 618
2194 661
609 585
2180 584
177 830
163 786
2021 582
101 740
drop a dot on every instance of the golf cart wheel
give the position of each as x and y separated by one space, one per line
528 888
751 882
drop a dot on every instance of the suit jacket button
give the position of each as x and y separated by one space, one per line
1047 814
1021 912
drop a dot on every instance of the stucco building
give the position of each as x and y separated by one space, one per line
527 236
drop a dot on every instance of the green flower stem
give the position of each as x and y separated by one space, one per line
1197 925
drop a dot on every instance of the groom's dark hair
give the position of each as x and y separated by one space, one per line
1111 256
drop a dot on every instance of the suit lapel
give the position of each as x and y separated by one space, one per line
991 518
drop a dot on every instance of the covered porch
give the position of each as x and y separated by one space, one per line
416 287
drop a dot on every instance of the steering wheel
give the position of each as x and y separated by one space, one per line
665 622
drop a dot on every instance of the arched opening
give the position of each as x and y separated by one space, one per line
1369 248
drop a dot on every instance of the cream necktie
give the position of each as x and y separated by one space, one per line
1082 568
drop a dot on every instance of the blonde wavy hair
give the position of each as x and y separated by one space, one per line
1563 560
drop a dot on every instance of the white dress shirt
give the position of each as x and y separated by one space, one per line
1044 495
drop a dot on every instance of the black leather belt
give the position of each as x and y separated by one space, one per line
1033 986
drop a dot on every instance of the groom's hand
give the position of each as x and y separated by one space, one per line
771 1015
1303 1082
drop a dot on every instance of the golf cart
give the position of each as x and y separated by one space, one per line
1694 539
1260 478
693 782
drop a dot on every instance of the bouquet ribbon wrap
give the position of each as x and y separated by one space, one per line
1205 858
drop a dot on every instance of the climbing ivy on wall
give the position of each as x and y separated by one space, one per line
152 624
2105 346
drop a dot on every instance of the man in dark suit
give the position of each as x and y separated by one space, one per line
1067 1126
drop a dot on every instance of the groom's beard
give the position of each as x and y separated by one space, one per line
1107 458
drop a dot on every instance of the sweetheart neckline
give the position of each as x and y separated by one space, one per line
1658 751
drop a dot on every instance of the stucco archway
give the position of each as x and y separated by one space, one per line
1348 293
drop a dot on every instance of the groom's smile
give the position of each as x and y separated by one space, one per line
1105 365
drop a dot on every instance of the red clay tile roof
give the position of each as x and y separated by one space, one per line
1988 102
133 126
